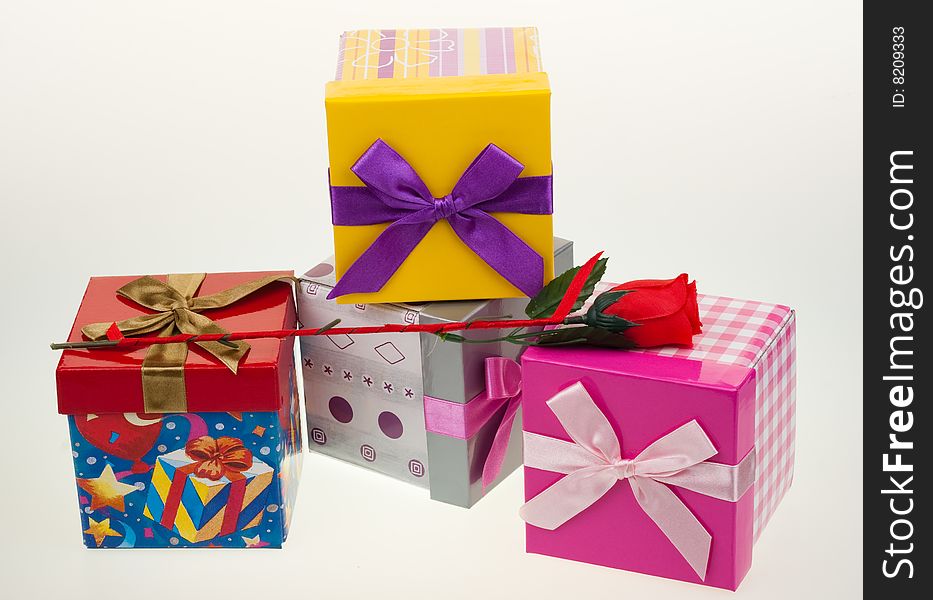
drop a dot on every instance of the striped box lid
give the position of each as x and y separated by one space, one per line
421 53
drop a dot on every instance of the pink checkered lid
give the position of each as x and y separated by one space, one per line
735 332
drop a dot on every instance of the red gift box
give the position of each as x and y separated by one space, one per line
109 380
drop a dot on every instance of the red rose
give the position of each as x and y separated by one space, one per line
665 311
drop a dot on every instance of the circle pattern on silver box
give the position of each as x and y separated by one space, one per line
318 436
320 270
390 425
340 409
368 453
416 468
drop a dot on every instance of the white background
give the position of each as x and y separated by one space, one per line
718 138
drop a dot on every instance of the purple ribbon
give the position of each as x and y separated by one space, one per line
394 193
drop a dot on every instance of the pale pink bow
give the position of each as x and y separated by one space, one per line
593 463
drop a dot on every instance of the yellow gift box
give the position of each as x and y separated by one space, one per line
438 98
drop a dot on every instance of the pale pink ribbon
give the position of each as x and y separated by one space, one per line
593 463
503 385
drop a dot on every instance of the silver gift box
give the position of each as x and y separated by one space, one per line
364 394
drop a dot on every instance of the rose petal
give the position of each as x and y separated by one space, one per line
692 309
650 299
673 329
647 283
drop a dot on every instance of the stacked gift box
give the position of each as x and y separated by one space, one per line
409 405
440 174
447 341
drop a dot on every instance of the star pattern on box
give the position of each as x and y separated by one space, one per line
347 376
106 490
100 530
254 542
119 489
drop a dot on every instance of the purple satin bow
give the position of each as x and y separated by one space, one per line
394 193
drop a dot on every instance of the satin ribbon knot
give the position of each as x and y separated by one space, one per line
592 464
394 193
177 309
445 207
624 468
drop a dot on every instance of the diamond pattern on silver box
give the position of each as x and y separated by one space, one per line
342 341
390 353
365 401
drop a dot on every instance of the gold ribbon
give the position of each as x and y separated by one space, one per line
177 311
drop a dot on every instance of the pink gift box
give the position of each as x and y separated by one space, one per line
737 382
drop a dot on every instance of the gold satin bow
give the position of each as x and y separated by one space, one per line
177 311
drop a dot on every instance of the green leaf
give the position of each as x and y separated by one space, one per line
607 299
589 336
452 337
545 303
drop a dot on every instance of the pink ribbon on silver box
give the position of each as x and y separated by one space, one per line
503 386
593 464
